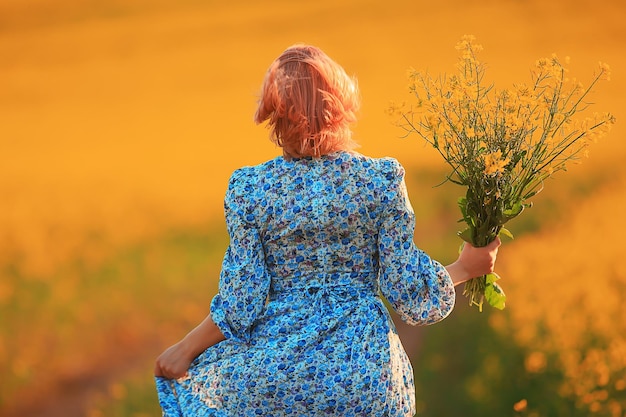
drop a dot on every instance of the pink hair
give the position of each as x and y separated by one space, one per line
309 103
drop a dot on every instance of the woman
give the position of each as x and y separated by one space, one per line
316 237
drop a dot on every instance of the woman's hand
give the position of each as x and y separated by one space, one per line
174 362
474 262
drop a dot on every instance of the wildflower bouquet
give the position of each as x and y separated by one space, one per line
500 144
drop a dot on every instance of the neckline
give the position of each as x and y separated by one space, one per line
332 155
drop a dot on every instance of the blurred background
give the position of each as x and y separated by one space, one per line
121 121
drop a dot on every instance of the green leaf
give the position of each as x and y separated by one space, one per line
462 202
457 182
514 211
506 232
531 194
517 157
466 235
495 295
491 278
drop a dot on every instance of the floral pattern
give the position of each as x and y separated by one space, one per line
315 245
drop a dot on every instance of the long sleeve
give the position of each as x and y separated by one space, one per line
244 281
418 287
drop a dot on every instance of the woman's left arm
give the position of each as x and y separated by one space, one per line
174 361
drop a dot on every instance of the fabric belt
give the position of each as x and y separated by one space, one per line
332 286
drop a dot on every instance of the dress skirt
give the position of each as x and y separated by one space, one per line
316 351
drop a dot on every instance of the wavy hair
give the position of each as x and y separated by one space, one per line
309 103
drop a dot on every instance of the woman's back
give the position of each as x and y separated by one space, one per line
317 215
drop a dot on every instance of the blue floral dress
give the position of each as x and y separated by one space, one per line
315 243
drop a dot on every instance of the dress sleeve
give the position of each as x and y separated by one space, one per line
244 281
418 287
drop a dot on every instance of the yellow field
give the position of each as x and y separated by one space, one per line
121 122
129 118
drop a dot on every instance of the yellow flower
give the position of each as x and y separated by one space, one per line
468 49
605 71
521 405
494 163
512 121
467 42
396 109
412 74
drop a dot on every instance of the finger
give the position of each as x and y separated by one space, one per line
157 370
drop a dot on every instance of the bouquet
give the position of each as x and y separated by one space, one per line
500 144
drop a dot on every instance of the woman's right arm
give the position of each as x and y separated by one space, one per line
473 262
175 361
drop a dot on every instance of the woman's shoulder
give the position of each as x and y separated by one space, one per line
249 179
387 166
249 172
